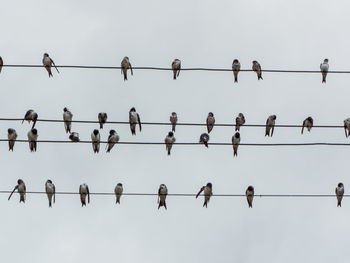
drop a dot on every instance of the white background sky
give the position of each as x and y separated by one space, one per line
279 34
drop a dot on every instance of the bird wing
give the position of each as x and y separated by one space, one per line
200 191
87 188
14 189
54 193
139 120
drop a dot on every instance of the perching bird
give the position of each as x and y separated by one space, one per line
48 63
50 191
113 138
95 138
257 68
1 63
32 138
249 193
21 188
208 192
102 118
240 120
84 191
176 67
118 190
347 127
134 118
67 117
11 136
339 191
324 69
308 123
236 139
162 193
125 65
204 139
169 141
236 67
31 115
270 125
173 120
74 137
210 121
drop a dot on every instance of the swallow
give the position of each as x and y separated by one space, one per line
84 191
32 138
95 138
21 188
210 121
173 121
11 136
347 127
48 63
204 138
113 138
125 65
102 118
240 120
208 192
176 67
308 123
270 125
30 115
257 68
236 139
324 69
1 64
162 193
236 67
169 141
339 191
249 193
67 118
74 137
50 191
118 190
134 118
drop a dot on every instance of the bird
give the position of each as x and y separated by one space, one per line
30 115
308 123
74 137
48 63
204 138
347 127
21 188
32 138
125 65
162 193
208 192
240 120
1 63
95 138
236 139
11 136
169 141
236 67
339 191
134 118
176 67
249 193
118 190
270 125
113 138
210 121
257 68
102 118
173 120
67 118
50 191
324 69
84 191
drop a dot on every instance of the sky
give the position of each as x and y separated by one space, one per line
295 35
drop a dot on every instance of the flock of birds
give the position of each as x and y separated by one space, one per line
125 65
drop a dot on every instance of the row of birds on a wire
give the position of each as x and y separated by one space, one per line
84 193
125 65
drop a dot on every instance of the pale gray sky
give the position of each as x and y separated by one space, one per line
279 34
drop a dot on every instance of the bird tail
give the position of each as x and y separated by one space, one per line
236 76
101 125
21 199
118 200
205 204
324 77
206 144
162 203
168 151
125 74
339 203
173 127
174 71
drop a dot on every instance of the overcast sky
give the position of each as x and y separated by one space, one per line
279 34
